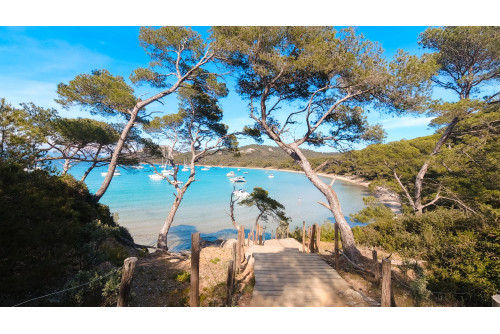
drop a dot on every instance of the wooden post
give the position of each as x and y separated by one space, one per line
495 301
309 236
229 283
287 230
126 283
303 236
233 254
242 252
248 240
194 297
386 283
336 246
260 235
313 238
272 234
263 236
376 269
238 251
319 238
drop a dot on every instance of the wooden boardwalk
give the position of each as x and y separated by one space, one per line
284 276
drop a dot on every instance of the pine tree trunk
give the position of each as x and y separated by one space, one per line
419 180
162 237
116 154
348 243
66 166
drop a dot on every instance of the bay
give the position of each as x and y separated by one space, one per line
142 204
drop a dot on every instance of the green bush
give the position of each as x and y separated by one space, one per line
183 277
50 230
461 252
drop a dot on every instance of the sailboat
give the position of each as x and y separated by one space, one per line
185 169
166 171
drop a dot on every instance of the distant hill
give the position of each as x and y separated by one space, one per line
255 156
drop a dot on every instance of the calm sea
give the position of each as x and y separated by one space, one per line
142 204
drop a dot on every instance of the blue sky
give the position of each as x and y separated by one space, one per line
33 60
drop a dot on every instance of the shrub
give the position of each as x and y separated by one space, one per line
50 229
183 277
462 253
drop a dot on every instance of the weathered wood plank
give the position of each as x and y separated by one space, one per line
287 277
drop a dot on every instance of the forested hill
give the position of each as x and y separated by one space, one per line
255 156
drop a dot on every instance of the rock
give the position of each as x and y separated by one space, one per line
229 243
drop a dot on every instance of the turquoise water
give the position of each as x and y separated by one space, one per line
142 204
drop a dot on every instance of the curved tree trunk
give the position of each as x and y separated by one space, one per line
419 180
116 154
87 172
348 243
162 237
66 166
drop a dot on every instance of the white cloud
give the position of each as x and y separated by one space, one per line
405 122
30 58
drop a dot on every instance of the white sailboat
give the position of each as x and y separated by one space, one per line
238 179
241 194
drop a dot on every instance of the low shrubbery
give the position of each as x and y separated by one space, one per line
52 234
461 253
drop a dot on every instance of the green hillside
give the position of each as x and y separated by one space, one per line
255 156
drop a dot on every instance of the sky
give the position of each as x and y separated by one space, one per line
34 60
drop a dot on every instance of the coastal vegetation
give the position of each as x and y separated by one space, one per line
55 237
304 86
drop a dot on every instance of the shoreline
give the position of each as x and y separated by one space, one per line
384 195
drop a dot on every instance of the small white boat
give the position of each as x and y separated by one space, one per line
167 172
270 175
185 169
231 173
177 182
205 168
155 177
245 172
241 194
239 169
137 167
114 174
238 179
